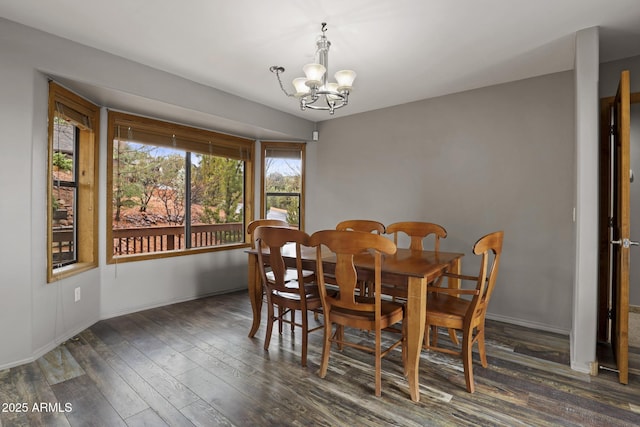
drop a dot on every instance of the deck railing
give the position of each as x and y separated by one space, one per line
128 241
63 246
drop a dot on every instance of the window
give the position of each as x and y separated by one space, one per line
73 176
283 182
175 189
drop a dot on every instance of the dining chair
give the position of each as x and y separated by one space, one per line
348 308
260 222
447 308
290 274
417 232
367 226
288 296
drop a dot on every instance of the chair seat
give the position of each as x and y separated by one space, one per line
391 312
446 308
311 292
290 274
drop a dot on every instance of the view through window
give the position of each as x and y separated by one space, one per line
175 188
283 182
64 192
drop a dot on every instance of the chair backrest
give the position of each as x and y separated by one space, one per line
274 238
260 222
345 245
490 248
417 231
365 225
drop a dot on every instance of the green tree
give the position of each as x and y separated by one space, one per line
62 161
218 183
125 186
171 187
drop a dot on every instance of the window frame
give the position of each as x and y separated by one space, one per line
221 143
86 170
288 146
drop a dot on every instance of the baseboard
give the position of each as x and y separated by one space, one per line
38 353
528 324
105 316
583 368
17 363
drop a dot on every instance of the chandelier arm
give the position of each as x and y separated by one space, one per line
277 70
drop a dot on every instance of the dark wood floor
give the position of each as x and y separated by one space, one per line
192 364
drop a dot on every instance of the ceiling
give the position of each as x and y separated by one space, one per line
402 50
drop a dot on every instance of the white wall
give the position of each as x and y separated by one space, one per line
500 157
35 315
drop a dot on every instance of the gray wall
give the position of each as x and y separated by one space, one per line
500 157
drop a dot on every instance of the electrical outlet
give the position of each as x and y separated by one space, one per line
77 295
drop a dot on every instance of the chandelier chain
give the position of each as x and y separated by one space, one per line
277 71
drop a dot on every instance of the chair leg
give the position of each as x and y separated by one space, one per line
481 348
467 362
270 320
340 336
378 363
434 331
453 336
281 312
426 341
404 347
293 320
305 338
326 348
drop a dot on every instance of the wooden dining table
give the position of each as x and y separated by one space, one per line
406 269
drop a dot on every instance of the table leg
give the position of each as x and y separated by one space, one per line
456 268
415 318
255 293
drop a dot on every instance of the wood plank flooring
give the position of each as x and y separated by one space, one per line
192 364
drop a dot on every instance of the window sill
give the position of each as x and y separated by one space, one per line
70 270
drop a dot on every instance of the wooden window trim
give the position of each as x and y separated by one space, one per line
87 200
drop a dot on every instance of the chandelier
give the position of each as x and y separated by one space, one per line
314 91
